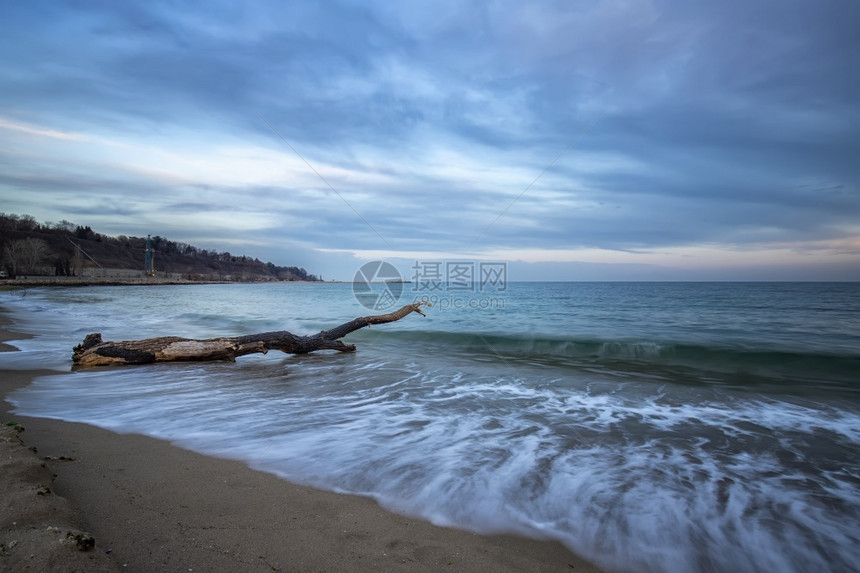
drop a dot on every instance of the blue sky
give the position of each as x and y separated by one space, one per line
575 140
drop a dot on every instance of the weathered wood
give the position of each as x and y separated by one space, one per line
95 352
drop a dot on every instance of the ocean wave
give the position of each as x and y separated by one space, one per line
757 363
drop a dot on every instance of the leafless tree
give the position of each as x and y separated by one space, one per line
12 257
24 255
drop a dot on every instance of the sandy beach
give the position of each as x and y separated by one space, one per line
150 506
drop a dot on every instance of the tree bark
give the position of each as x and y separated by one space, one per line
94 352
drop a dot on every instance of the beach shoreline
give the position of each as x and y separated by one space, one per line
49 281
153 506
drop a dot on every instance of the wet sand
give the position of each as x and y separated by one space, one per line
151 506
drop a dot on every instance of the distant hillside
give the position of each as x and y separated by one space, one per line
28 247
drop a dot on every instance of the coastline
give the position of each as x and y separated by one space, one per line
155 506
41 281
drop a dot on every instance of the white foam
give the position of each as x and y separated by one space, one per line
634 485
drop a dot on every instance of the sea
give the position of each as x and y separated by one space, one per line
651 426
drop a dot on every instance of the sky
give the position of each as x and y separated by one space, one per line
641 140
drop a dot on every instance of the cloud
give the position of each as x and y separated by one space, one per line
723 130
32 130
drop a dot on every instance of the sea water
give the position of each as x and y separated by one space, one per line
647 426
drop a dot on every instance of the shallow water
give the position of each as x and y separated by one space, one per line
648 426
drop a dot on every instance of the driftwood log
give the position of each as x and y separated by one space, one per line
94 352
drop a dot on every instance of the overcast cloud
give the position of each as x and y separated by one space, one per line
671 140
